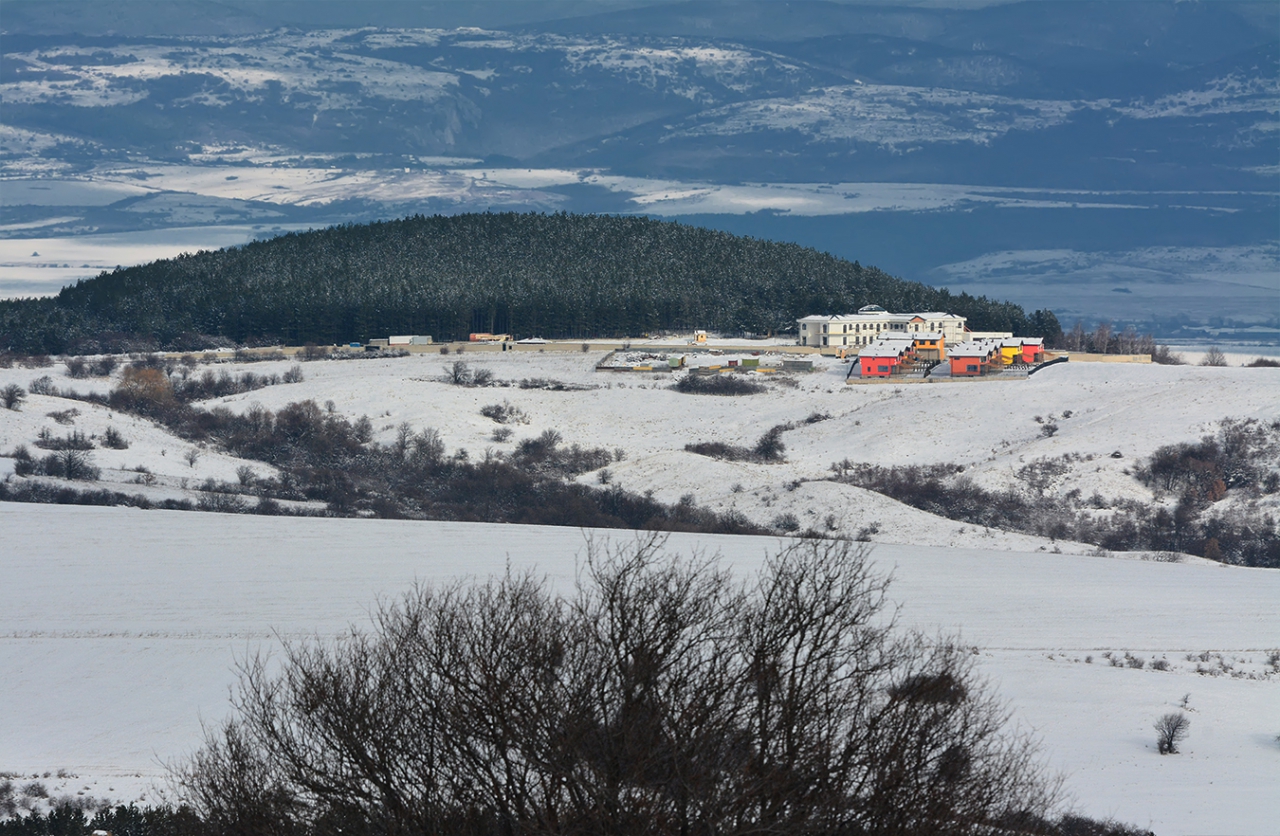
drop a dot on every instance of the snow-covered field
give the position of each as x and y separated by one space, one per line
125 627
989 428
120 627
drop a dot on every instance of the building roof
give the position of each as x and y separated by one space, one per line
971 349
881 315
882 350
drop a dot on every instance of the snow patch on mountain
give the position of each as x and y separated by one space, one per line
248 71
888 115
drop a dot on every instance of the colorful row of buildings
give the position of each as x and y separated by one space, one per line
889 344
978 357
896 354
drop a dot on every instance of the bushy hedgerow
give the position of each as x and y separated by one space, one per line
68 819
1242 456
67 463
768 448
718 384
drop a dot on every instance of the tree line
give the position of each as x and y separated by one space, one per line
558 276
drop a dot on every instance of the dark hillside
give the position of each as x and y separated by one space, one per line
527 274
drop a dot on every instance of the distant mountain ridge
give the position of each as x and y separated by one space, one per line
528 274
723 91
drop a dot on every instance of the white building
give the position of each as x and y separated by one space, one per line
872 322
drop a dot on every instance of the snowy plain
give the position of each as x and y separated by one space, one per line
127 624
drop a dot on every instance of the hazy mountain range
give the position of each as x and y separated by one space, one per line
1114 159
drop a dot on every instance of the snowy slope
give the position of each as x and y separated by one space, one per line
126 624
989 428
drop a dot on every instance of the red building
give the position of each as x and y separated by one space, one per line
972 359
882 359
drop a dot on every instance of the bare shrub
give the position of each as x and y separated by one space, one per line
786 523
505 413
103 366
292 375
1165 357
1171 729
769 447
65 464
12 396
43 385
660 697
66 417
77 367
222 503
501 434
1214 357
1263 363
311 351
459 373
74 440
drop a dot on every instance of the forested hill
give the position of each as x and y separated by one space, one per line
527 274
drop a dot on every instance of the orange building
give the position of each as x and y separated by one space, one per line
973 359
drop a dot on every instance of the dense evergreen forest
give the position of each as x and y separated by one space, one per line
565 276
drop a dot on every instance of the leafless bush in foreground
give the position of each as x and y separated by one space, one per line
661 696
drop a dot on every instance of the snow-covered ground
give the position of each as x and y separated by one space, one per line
123 628
120 627
989 428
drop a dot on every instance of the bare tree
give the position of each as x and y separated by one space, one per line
1100 339
1076 339
663 696
1171 729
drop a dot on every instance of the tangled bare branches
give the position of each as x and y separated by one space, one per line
661 696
